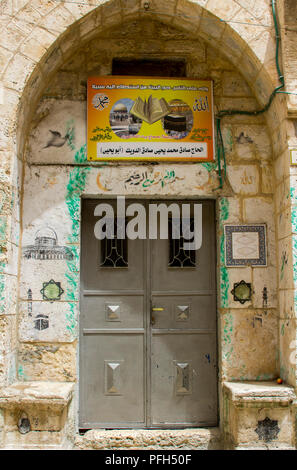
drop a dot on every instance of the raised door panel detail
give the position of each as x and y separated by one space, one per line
182 312
183 377
112 312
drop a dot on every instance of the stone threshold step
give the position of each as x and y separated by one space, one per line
150 439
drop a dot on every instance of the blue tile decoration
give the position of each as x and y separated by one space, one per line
260 259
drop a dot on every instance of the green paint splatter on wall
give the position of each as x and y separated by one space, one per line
293 194
228 140
2 296
209 166
224 214
70 132
294 218
81 155
227 334
3 227
21 373
75 187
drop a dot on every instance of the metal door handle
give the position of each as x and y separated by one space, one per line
157 309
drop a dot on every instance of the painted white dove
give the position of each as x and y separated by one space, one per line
56 139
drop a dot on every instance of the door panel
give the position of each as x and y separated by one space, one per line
138 367
183 382
114 387
183 334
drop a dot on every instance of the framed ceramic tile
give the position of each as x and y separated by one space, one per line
245 245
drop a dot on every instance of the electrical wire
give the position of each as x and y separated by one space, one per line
232 112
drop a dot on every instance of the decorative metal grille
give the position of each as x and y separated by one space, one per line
178 256
114 251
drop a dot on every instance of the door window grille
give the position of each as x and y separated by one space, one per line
114 251
178 256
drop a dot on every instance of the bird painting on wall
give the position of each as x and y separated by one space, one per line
56 140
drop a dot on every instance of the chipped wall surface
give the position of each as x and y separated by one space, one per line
41 190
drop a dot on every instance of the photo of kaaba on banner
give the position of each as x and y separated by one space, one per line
134 118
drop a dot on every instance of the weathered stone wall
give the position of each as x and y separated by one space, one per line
247 333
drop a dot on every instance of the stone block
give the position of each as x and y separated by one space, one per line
48 362
217 61
35 414
5 57
66 117
211 29
252 142
188 12
249 342
265 278
235 85
258 415
229 210
12 36
8 332
283 195
45 205
131 9
287 303
48 322
285 263
111 13
9 259
279 139
267 179
18 72
261 210
246 28
37 43
288 350
52 61
244 179
37 272
88 26
231 43
163 179
8 361
286 222
263 45
57 21
149 439
79 10
8 294
64 85
227 12
250 66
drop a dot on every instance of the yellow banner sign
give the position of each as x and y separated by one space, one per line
135 118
